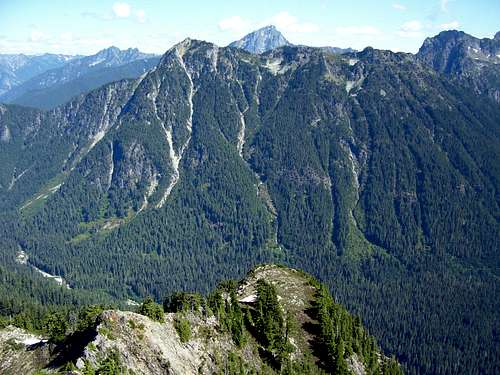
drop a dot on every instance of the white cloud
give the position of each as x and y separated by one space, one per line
357 30
450 26
141 16
411 29
235 24
121 10
444 4
400 7
66 37
36 36
286 22
411 26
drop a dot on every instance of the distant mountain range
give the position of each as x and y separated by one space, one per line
58 83
45 81
269 38
48 80
18 68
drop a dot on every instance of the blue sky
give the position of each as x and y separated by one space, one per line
84 27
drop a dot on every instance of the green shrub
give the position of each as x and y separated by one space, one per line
183 328
152 310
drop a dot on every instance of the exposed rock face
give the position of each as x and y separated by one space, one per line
136 344
262 40
148 347
457 54
22 352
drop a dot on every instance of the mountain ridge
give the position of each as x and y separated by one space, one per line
474 61
18 68
200 334
57 86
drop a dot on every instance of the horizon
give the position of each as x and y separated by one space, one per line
84 28
207 41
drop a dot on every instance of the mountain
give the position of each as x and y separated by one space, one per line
18 68
474 61
339 50
269 38
369 170
276 319
59 85
261 40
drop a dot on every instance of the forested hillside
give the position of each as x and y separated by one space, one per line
370 170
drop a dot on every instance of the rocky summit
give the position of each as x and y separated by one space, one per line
474 61
262 40
276 319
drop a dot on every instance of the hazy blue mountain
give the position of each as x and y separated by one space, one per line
57 86
18 68
261 40
269 38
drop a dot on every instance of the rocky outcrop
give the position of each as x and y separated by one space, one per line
22 352
474 61
129 342
262 40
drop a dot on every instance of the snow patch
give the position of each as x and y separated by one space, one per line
98 61
353 62
16 178
6 136
23 258
168 134
33 341
249 299
273 66
131 302
349 85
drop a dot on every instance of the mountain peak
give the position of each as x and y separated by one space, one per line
462 55
111 48
261 40
268 28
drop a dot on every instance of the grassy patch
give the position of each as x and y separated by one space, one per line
31 206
